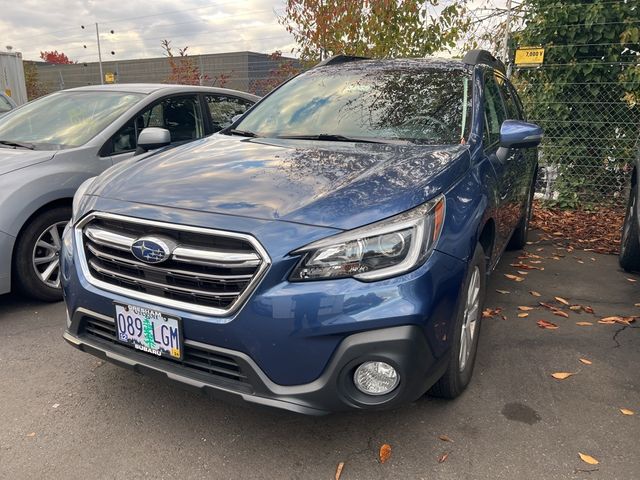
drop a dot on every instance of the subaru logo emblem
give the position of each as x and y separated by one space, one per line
151 250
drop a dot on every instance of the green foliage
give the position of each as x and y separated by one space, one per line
586 94
374 28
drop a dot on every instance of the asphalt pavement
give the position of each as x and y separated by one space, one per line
67 415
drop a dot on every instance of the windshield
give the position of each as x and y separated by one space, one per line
424 105
65 119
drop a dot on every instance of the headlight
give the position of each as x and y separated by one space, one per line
82 189
377 251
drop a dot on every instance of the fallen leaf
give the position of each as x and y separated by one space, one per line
443 458
445 438
588 309
385 452
588 459
525 309
575 308
522 272
535 294
585 361
546 305
580 261
339 470
504 292
560 313
523 315
584 324
547 325
636 304
514 277
32 434
561 300
626 411
561 375
611 320
632 280
491 312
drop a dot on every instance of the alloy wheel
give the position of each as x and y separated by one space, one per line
470 320
46 255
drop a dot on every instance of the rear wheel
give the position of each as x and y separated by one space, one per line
36 266
466 331
630 244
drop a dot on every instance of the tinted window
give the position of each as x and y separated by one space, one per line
65 119
419 104
510 102
494 110
222 109
180 115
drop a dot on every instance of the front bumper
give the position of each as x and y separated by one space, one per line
404 347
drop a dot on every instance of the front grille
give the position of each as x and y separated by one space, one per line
194 358
208 271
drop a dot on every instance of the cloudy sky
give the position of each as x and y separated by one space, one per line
31 26
206 26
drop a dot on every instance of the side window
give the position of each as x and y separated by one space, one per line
180 115
222 109
511 102
494 110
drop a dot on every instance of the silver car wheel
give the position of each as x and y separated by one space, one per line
46 255
470 319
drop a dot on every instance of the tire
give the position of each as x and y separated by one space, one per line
630 243
459 371
36 268
519 238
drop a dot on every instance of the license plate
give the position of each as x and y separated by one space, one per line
148 330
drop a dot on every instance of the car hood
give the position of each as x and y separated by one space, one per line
16 158
332 184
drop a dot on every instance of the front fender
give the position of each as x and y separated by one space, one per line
471 203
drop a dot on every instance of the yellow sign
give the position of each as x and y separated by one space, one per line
109 77
529 56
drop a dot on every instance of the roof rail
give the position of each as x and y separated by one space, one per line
478 57
338 59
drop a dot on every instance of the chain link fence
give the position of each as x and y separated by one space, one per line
592 131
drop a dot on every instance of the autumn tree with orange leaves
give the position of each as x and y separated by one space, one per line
374 28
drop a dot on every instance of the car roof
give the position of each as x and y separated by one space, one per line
399 64
163 88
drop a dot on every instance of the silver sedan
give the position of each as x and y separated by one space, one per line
48 147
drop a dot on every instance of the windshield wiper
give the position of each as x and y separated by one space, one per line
329 137
11 143
242 133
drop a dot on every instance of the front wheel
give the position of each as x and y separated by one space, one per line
630 243
466 331
36 263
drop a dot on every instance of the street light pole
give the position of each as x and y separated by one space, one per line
100 54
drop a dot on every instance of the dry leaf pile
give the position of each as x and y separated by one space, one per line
597 230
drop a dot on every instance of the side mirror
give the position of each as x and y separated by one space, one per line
519 134
151 138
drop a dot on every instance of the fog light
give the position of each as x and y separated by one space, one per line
376 378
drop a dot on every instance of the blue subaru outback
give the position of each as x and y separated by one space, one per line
328 251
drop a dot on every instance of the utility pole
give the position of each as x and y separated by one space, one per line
507 31
100 53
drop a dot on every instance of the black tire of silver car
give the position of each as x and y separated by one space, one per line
630 243
519 238
36 260
466 330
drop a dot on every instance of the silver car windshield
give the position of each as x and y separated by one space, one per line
65 119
